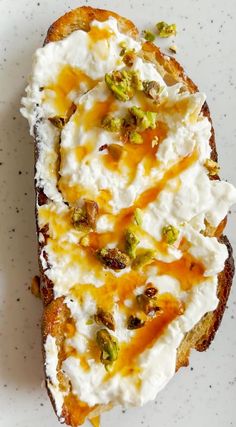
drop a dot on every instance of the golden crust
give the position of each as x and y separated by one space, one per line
55 312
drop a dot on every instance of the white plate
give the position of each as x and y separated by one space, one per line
201 395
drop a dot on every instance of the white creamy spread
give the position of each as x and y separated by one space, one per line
186 201
51 352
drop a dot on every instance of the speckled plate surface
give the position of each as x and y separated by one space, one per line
202 394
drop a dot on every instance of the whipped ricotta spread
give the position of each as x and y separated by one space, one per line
164 180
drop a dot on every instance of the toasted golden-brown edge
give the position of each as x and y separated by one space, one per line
55 312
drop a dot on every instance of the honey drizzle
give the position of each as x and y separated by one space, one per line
95 421
68 79
145 337
151 194
97 34
121 287
75 411
125 216
93 117
187 270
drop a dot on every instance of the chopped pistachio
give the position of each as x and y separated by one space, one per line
170 234
165 30
173 48
129 57
85 241
123 84
90 321
122 52
149 35
212 167
135 322
144 119
135 138
105 318
143 258
123 45
136 80
108 346
112 124
79 218
116 151
146 304
59 121
152 89
131 243
138 216
113 258
84 218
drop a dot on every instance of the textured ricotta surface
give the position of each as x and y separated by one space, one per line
186 201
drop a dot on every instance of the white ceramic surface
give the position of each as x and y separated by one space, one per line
202 394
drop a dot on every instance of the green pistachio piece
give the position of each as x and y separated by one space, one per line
79 219
135 138
144 119
170 234
152 89
118 87
149 35
85 241
147 305
113 258
136 80
131 243
165 30
143 258
112 124
90 321
108 346
123 84
85 218
129 57
138 216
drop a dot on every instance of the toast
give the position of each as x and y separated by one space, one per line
56 314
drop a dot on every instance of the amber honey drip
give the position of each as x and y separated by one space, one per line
68 79
187 270
97 34
74 411
145 337
93 117
125 216
58 224
95 421
122 287
151 194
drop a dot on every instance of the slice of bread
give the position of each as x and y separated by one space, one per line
56 312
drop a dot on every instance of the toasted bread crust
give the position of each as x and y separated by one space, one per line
55 312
